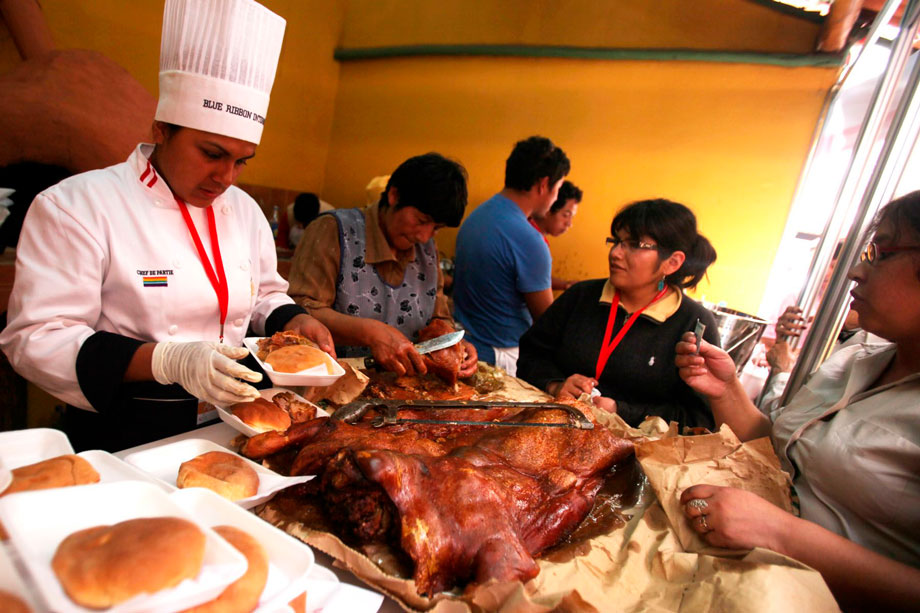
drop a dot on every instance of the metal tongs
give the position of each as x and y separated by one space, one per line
388 412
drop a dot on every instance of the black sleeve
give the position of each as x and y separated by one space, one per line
280 316
543 341
101 365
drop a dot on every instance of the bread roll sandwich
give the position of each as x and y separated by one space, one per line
102 566
54 472
61 471
262 415
295 358
11 603
225 473
244 593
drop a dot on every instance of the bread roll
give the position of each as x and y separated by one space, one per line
54 472
263 415
295 358
244 593
11 603
225 473
102 566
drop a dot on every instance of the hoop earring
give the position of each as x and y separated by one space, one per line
661 284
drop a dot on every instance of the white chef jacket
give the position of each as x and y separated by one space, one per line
108 250
855 452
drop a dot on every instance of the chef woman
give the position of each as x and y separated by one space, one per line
136 284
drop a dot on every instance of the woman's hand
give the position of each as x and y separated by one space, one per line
311 328
470 360
207 371
736 519
710 372
605 403
393 351
573 387
790 323
780 356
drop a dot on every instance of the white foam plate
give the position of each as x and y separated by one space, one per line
37 522
318 376
342 598
163 463
240 426
24 447
112 469
290 561
11 581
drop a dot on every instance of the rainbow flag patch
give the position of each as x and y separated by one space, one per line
155 281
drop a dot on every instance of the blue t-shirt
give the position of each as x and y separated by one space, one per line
500 257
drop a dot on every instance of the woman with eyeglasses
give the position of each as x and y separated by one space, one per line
614 338
850 438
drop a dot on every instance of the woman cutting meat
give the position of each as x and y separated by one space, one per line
136 284
615 337
850 438
372 275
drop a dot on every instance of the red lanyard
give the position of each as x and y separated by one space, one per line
218 281
608 346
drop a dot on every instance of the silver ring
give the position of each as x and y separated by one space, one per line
698 504
704 524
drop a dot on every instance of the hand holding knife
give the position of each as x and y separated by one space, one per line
441 342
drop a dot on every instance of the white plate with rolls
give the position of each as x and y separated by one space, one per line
320 375
39 521
241 426
163 463
289 560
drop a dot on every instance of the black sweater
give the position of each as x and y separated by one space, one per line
640 374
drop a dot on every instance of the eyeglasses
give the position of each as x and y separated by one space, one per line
873 253
631 244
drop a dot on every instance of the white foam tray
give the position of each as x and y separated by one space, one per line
37 525
290 561
240 426
112 469
318 376
163 462
11 581
24 447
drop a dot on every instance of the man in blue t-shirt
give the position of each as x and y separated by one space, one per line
503 276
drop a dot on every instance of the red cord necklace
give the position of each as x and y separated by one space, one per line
607 346
219 280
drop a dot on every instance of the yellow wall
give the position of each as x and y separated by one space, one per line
296 137
727 25
726 139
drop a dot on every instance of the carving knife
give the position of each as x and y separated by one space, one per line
439 342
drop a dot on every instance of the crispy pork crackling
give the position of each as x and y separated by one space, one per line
244 593
225 473
102 566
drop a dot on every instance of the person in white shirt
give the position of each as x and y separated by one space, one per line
136 284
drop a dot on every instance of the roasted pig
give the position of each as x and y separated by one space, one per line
466 503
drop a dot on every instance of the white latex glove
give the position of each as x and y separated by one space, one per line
206 370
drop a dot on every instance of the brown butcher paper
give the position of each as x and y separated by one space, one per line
653 563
